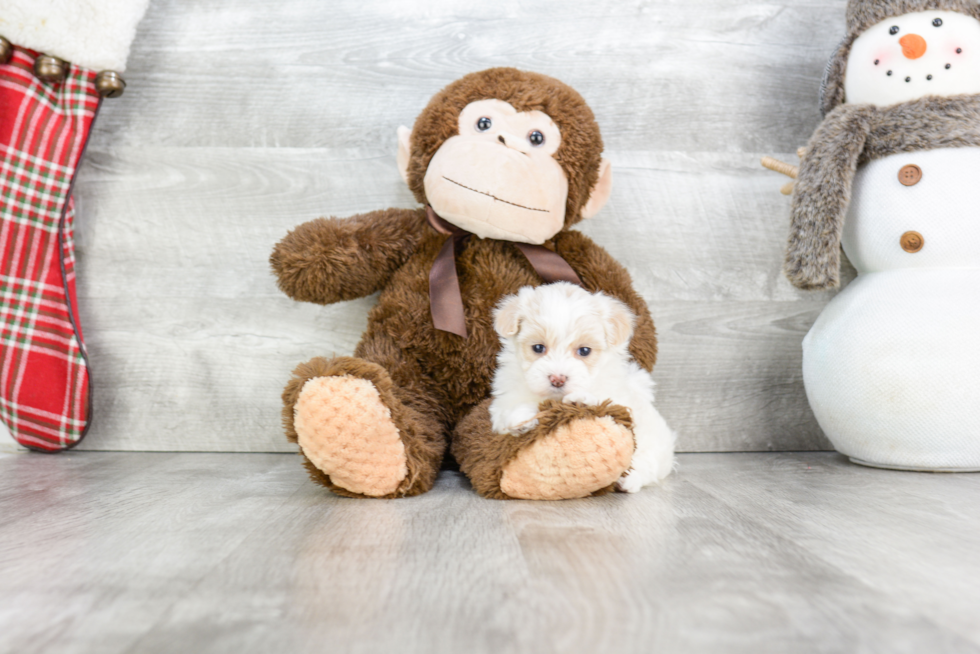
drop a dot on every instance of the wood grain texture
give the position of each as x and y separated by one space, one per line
244 119
236 553
704 75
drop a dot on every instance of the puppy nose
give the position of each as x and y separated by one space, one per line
913 46
558 380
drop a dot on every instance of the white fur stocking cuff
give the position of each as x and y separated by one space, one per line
92 34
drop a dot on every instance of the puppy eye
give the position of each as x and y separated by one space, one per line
539 349
536 138
584 351
484 123
938 22
893 30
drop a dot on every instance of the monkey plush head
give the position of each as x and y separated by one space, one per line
507 154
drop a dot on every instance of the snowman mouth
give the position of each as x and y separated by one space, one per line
908 78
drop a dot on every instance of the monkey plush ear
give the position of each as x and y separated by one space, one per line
600 192
507 317
404 151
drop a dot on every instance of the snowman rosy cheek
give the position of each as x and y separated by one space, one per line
884 57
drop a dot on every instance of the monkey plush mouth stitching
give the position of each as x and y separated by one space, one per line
493 196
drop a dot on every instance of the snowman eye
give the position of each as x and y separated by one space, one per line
938 22
893 30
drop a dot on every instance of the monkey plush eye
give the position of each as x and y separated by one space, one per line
938 22
483 124
539 349
584 351
536 138
893 30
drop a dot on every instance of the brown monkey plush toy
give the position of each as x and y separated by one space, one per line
504 163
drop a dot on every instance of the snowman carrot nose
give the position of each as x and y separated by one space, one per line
913 46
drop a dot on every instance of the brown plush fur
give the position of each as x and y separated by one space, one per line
433 379
862 14
484 459
331 260
849 136
581 142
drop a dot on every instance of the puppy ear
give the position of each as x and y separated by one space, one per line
507 317
619 322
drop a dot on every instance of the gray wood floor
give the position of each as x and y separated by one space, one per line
239 553
244 118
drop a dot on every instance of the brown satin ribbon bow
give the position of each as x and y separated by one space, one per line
444 294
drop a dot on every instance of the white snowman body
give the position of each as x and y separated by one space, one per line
892 364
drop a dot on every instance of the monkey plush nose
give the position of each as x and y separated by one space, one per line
514 143
558 380
913 46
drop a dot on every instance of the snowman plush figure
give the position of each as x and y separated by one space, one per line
892 174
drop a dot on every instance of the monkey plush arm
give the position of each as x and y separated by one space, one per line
600 272
333 259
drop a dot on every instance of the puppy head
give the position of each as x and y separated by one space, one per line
562 335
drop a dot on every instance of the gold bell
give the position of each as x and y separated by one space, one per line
110 84
50 69
6 50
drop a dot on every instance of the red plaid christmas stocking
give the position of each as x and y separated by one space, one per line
44 379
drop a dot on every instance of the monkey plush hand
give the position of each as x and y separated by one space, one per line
504 162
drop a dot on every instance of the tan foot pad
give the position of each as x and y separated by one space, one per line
575 461
346 431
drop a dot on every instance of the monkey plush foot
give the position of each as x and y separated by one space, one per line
574 451
346 432
356 437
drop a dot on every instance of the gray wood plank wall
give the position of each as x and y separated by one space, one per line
244 118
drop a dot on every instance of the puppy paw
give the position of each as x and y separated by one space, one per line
629 483
646 469
522 419
578 397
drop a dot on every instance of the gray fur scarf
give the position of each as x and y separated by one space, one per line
850 136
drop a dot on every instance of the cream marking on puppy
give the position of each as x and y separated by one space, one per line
562 342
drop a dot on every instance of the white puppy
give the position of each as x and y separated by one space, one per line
562 342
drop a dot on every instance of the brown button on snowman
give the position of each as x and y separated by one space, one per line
892 364
909 175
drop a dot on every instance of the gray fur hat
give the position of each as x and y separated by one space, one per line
862 14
